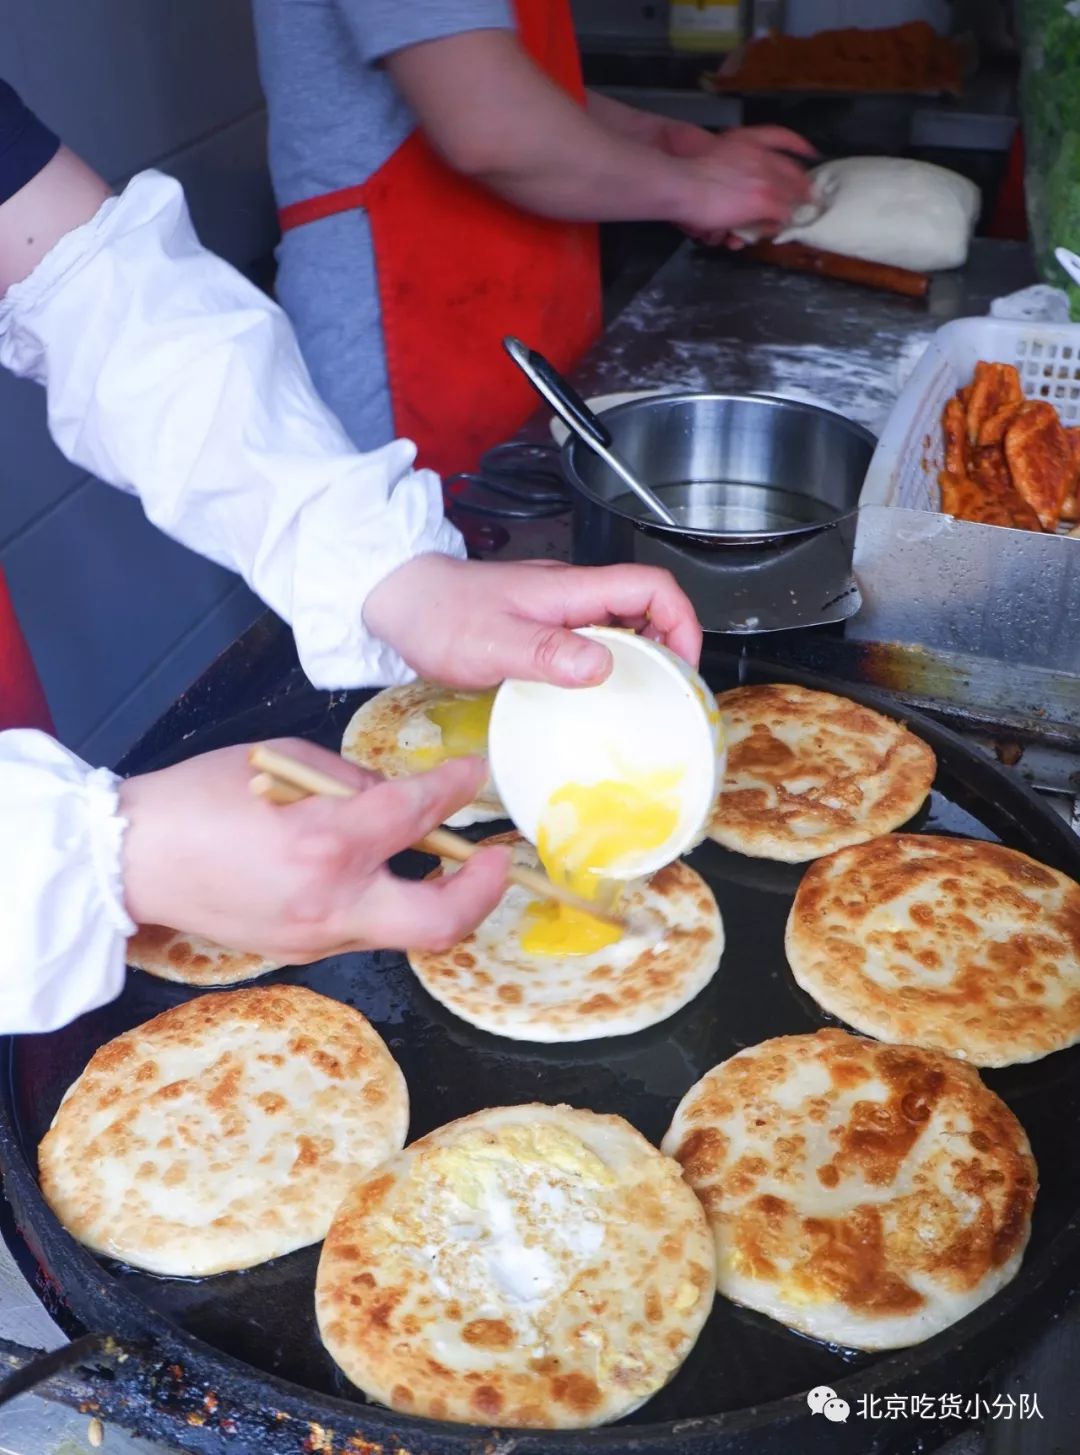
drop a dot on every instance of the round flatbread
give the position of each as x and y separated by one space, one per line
808 772
956 944
527 1265
864 1194
192 959
392 734
671 953
224 1132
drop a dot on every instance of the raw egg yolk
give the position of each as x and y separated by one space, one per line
587 829
708 702
463 722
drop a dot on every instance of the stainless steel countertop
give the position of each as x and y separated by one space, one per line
709 319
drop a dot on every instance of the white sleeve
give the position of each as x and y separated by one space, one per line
170 375
63 925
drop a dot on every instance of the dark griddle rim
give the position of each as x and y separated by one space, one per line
98 1301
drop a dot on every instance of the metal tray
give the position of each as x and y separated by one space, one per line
234 1362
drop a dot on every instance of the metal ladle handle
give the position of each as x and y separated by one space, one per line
579 418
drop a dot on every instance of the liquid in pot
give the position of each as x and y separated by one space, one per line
730 507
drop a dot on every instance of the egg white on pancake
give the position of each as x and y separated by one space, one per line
524 1266
224 1132
393 734
864 1194
192 959
957 944
669 955
809 772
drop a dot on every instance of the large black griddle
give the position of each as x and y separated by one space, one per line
234 1363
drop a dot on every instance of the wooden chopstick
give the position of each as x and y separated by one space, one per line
276 790
281 779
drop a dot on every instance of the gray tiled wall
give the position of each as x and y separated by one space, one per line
120 619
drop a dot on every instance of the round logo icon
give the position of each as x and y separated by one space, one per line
819 1397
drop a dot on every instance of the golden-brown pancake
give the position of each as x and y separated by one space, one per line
223 1132
808 772
670 953
395 734
957 944
864 1194
192 959
524 1266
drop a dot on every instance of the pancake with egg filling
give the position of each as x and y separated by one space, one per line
955 944
224 1132
863 1194
524 1266
521 975
809 772
407 730
192 959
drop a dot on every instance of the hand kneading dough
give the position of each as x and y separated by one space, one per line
224 1132
526 1265
893 210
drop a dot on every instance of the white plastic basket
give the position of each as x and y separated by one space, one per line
909 456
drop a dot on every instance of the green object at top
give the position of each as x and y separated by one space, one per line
1050 104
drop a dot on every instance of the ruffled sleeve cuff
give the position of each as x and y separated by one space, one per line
61 861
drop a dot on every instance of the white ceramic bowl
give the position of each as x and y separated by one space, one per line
653 714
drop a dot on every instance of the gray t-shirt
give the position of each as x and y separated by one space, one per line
335 118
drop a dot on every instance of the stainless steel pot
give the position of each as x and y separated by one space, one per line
765 492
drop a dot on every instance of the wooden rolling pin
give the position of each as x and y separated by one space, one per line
797 257
281 779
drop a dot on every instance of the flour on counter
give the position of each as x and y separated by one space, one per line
656 343
862 384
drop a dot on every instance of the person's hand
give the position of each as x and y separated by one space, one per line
304 880
474 623
746 178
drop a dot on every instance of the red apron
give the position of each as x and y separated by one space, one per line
22 702
458 268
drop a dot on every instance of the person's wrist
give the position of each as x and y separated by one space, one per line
142 867
684 140
681 194
382 611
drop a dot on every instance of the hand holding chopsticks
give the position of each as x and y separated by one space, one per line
282 779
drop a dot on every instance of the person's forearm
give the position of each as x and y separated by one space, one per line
495 117
170 375
676 138
61 197
628 121
584 175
